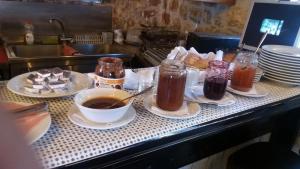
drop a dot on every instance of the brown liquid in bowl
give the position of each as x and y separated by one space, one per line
102 103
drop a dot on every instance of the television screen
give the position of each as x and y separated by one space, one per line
281 20
273 26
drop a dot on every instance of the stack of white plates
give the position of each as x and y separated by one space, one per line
281 63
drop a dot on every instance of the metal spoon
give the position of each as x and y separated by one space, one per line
132 96
261 41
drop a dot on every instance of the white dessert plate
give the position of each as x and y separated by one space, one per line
280 56
295 81
196 93
188 110
283 76
283 81
293 70
279 63
256 91
278 73
79 82
283 50
76 117
36 128
272 58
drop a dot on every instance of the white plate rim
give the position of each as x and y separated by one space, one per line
146 106
286 63
295 58
279 57
280 69
131 112
280 50
28 136
271 73
281 81
32 95
284 74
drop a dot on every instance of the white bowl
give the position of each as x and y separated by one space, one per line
102 115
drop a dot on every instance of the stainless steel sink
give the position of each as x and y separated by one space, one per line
89 49
35 51
56 51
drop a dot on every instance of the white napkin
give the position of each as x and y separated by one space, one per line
133 79
219 55
196 93
180 51
210 55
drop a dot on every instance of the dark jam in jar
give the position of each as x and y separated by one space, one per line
216 80
171 85
111 73
214 88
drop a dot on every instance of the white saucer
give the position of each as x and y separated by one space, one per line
190 110
256 91
77 118
196 93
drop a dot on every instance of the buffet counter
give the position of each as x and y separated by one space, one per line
140 142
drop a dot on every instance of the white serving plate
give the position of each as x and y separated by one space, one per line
283 50
77 118
79 82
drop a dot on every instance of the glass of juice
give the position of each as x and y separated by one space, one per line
171 85
216 79
244 71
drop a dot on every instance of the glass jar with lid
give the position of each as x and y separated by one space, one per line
110 73
171 85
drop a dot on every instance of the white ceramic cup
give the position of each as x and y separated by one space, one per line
102 115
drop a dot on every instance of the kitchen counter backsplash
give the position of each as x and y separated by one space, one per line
180 15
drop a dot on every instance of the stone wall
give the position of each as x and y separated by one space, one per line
182 15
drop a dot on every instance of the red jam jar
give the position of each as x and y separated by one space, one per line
111 73
171 85
216 79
